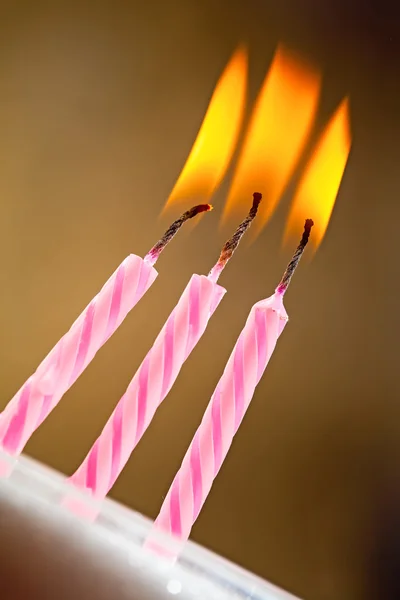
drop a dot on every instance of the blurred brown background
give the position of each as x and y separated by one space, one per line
99 105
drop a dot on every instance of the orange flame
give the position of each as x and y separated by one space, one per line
277 133
217 138
319 185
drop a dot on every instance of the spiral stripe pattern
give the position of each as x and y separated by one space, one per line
149 386
72 354
222 417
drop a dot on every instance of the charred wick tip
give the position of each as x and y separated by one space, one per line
195 210
257 197
282 287
306 233
152 256
307 227
308 224
233 242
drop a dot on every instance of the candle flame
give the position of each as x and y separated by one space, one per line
278 131
319 185
216 141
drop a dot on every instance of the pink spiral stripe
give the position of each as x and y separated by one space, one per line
150 385
222 418
72 354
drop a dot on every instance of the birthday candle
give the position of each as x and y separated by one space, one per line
77 348
226 409
157 373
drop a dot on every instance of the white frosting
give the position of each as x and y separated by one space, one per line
47 552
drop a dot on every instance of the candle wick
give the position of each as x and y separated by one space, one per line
153 255
290 269
231 245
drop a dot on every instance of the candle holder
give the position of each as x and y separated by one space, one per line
52 548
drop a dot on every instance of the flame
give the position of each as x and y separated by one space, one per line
216 141
280 125
316 194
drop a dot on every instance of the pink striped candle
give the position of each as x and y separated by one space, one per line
157 374
77 348
226 410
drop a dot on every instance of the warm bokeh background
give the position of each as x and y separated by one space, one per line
99 105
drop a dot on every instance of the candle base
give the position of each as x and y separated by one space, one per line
50 547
